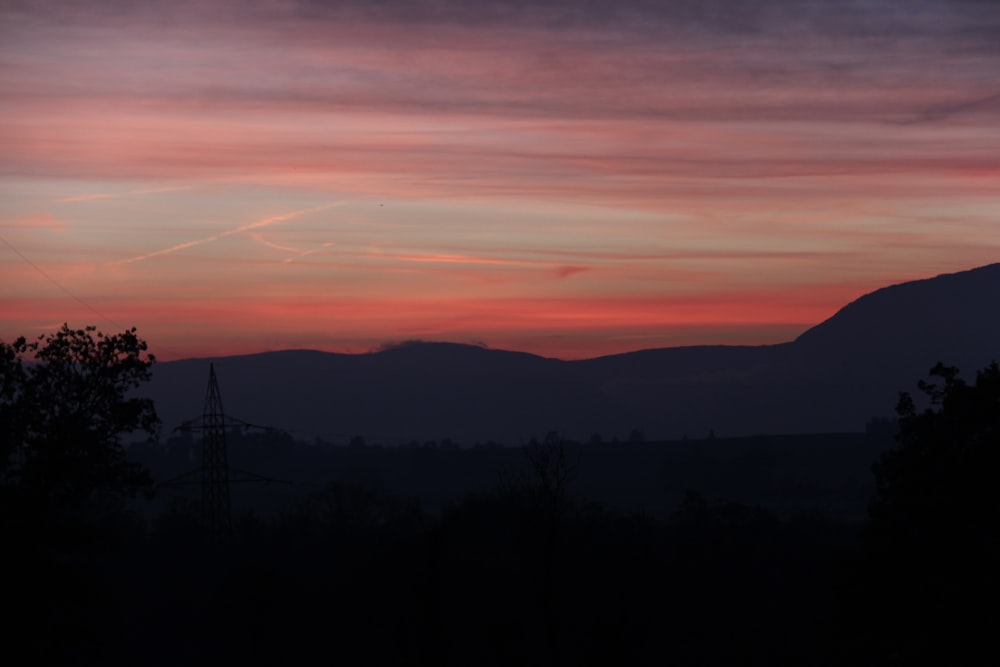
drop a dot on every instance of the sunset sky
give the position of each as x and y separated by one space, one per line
561 177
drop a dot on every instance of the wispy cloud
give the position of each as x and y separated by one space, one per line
94 196
553 268
87 197
989 105
567 271
541 162
44 220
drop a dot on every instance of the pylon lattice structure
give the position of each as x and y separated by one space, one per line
216 508
216 475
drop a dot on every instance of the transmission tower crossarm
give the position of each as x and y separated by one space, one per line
216 475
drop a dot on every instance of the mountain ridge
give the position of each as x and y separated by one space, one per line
833 378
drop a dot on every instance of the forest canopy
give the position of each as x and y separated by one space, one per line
66 401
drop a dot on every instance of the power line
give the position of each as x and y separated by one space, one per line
71 295
60 286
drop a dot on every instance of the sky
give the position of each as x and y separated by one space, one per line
560 177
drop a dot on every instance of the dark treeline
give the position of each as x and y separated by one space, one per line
538 558
525 573
830 473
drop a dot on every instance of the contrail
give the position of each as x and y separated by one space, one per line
296 253
229 232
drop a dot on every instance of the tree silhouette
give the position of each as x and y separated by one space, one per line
552 472
939 480
934 540
12 389
65 404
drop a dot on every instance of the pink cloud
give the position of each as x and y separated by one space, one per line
44 220
567 271
644 168
88 197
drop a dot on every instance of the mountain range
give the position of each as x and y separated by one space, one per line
835 377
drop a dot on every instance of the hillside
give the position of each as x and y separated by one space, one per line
832 378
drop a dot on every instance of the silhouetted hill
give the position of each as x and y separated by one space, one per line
953 316
833 378
417 391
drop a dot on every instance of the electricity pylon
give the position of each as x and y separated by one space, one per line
217 513
216 475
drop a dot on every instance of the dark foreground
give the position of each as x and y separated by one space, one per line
526 570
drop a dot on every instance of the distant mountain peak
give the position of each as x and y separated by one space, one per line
963 303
